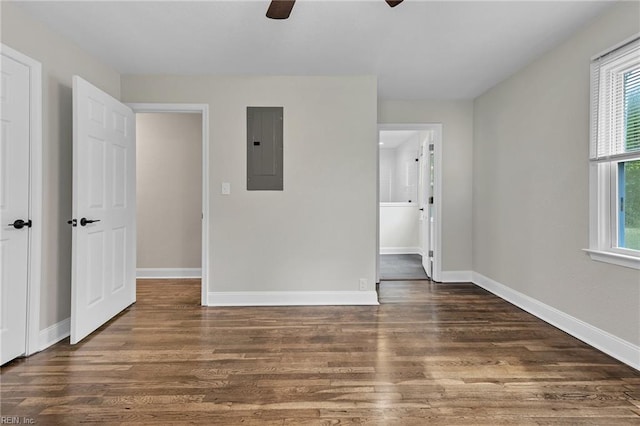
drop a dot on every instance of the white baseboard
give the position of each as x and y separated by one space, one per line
292 298
53 334
400 250
168 273
456 276
606 342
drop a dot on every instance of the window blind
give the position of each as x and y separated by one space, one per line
632 109
615 104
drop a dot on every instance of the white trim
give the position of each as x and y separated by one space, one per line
619 349
35 196
614 258
437 190
377 207
53 334
292 298
616 47
456 276
168 273
203 109
400 250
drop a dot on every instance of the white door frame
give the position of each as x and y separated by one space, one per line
437 192
34 276
203 109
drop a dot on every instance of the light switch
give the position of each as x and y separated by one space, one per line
226 188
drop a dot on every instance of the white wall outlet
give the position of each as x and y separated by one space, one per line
363 284
226 188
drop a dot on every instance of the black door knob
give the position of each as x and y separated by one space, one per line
84 221
19 224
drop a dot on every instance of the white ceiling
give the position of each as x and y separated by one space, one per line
418 50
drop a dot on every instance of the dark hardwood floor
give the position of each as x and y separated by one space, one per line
429 354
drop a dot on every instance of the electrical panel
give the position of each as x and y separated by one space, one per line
265 149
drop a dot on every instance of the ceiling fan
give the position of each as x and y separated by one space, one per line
281 9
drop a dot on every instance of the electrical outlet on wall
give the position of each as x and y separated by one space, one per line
363 284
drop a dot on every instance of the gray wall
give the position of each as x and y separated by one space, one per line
457 141
319 234
169 190
530 192
60 61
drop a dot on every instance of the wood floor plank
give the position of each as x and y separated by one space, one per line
429 354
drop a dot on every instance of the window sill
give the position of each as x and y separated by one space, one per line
614 258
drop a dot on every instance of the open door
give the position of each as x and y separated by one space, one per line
426 188
104 211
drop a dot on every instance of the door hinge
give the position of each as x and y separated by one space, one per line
432 147
430 200
430 253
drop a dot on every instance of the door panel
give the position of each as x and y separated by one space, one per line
14 205
103 271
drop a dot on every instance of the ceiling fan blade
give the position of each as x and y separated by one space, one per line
280 9
393 3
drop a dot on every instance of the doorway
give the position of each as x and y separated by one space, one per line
169 195
409 197
104 246
189 112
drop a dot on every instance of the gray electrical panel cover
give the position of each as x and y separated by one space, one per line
264 148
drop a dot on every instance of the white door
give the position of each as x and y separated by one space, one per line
104 228
426 203
15 225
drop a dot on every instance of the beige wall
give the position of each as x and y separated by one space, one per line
531 204
60 61
169 190
456 118
529 209
319 234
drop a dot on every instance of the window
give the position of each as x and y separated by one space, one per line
615 156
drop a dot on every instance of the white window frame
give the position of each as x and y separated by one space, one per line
603 181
